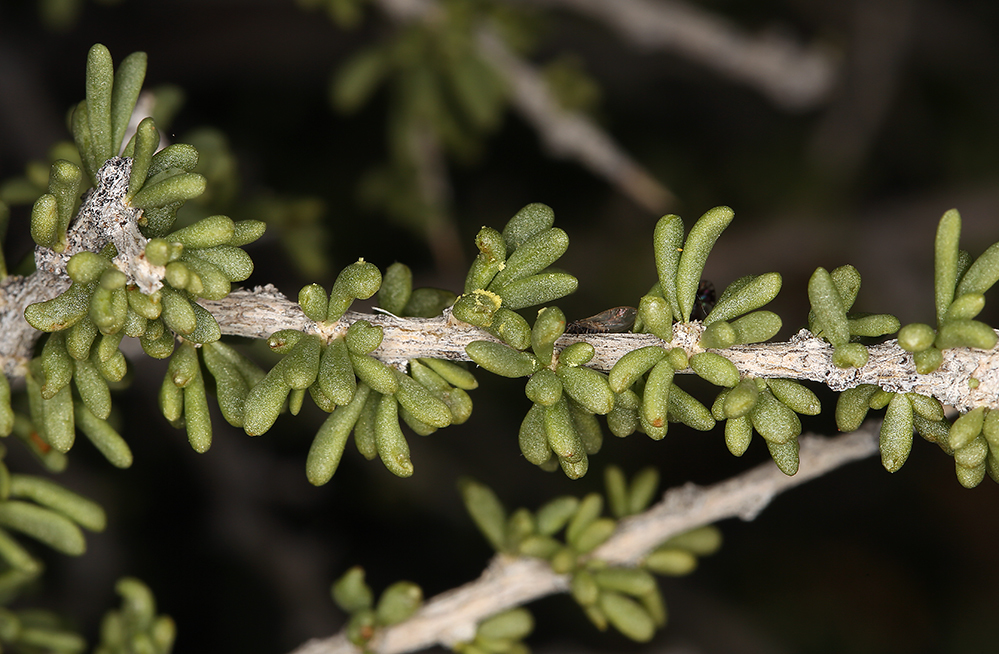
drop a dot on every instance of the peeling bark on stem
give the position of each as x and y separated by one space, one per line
259 312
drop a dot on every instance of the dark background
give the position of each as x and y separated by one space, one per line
241 550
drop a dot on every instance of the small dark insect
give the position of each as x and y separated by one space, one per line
616 320
705 299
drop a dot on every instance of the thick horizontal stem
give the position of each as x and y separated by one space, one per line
968 378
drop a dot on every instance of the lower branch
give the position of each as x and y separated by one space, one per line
451 617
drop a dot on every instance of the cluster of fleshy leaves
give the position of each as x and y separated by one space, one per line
396 603
135 627
959 287
627 598
560 429
646 397
959 296
832 295
362 394
103 303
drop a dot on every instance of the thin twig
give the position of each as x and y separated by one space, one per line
570 134
451 617
566 134
793 76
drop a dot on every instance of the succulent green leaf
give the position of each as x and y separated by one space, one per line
774 420
358 78
617 491
874 325
17 557
174 157
630 581
965 307
62 311
896 433
738 434
511 328
374 373
513 625
398 603
424 405
628 616
715 368
328 445
100 81
92 388
501 360
351 593
124 94
392 446
928 360
246 232
301 365
477 307
830 315
757 292
64 183
531 257
849 355
264 402
527 222
196 418
655 398
797 397
696 248
847 280
43 525
686 409
966 428
965 333
452 373
360 280
945 261
45 221
655 316
563 438
741 399
670 561
533 437
587 426
630 367
177 188
397 287
589 510
486 510
234 264
983 273
206 233
147 139
537 289
544 388
489 261
642 490
587 387
785 455
852 406
667 243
